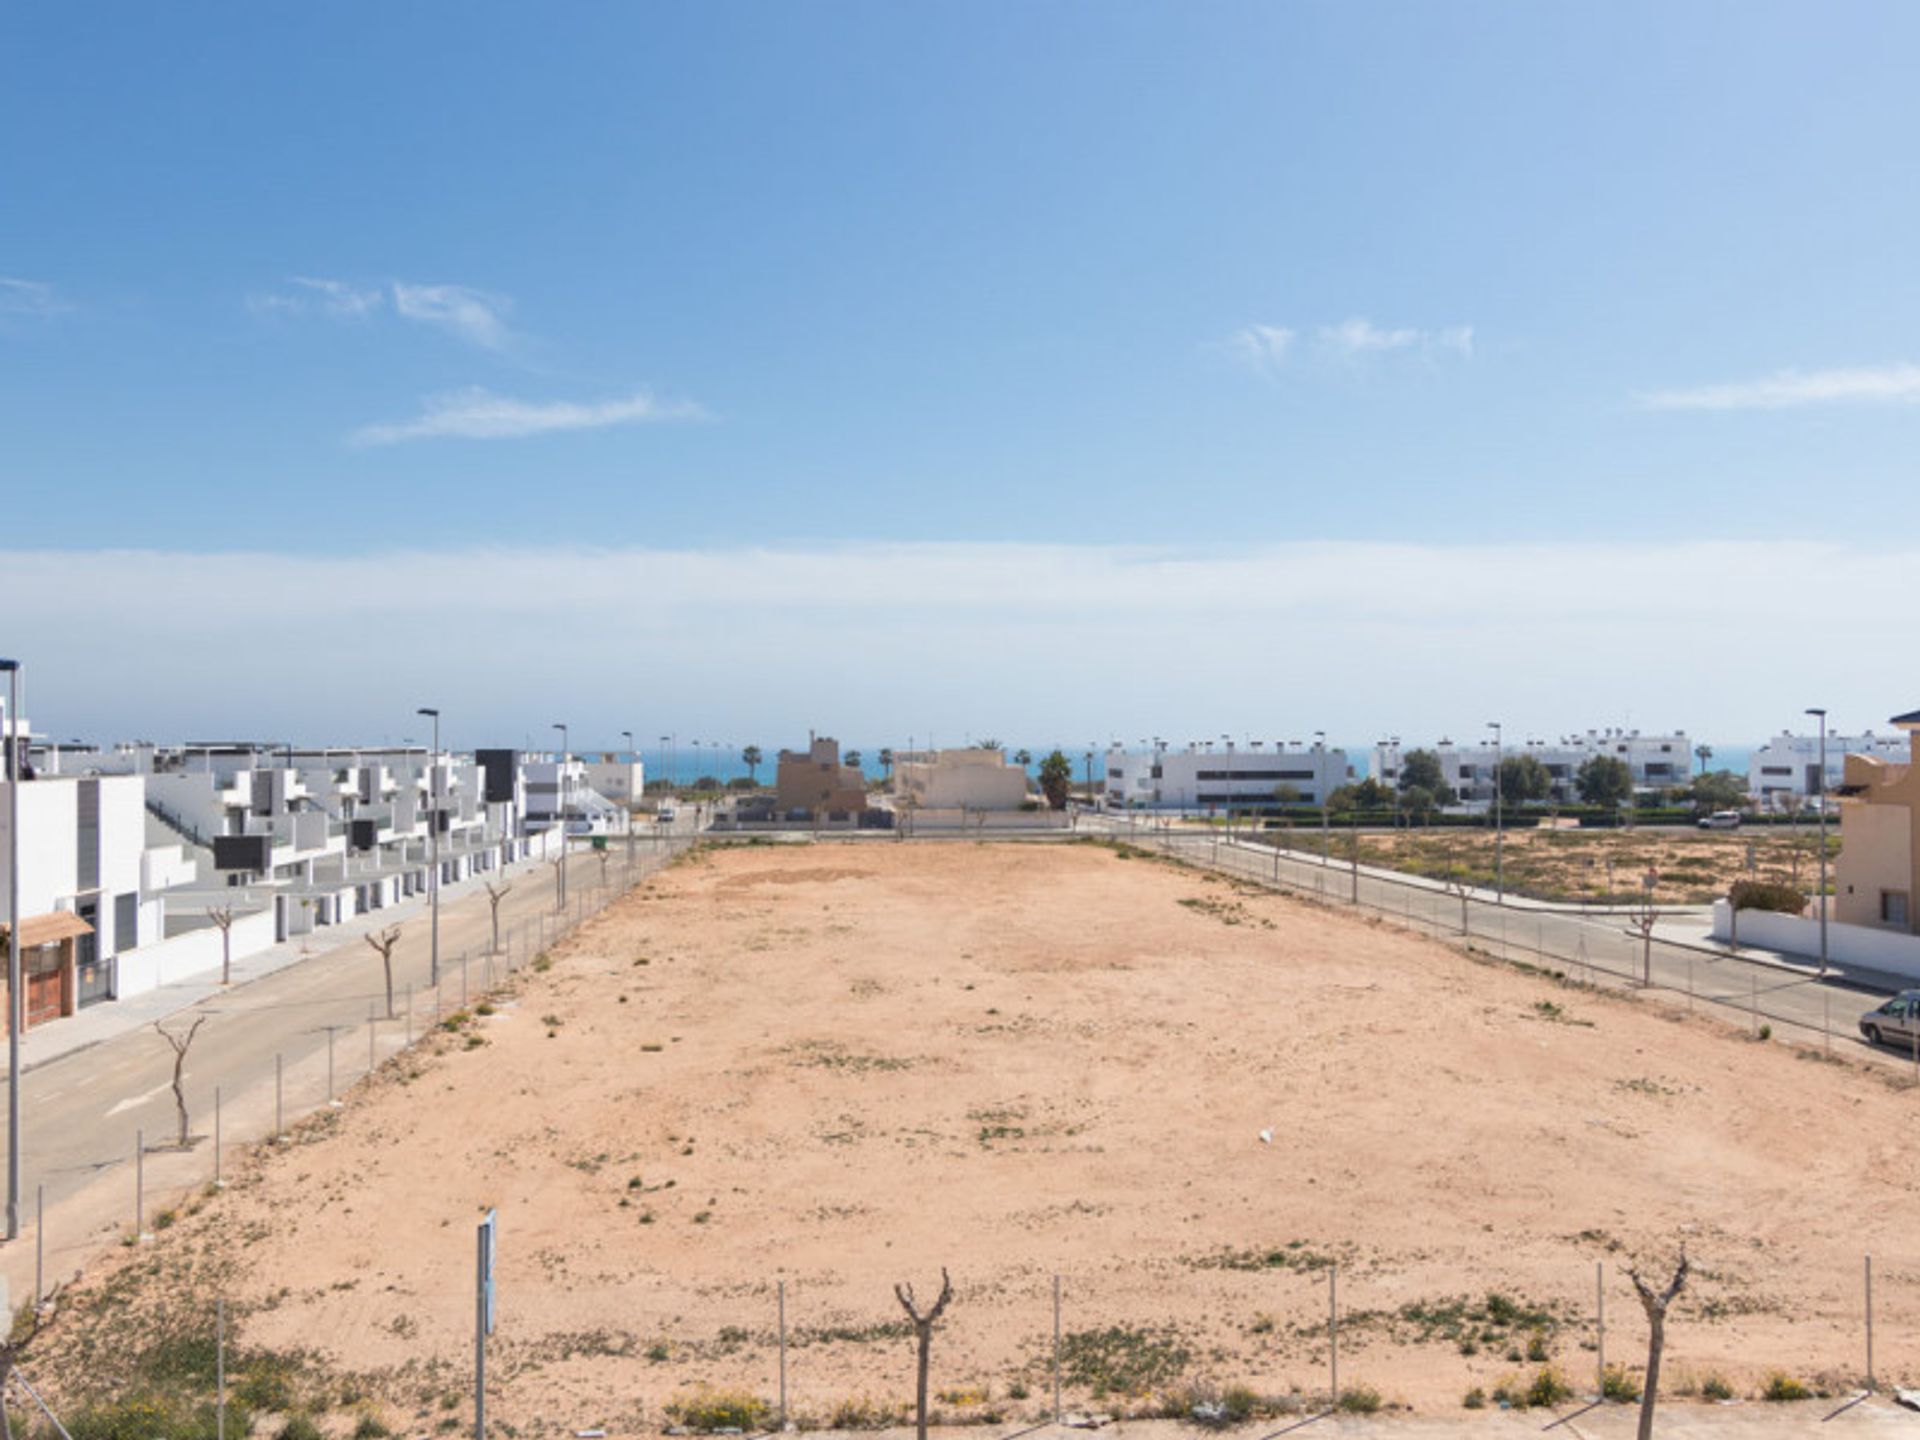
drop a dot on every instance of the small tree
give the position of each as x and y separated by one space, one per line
1603 780
1655 1303
1286 793
1703 753
1417 802
1522 778
852 759
223 918
181 1043
1056 778
886 760
923 1335
1023 758
383 942
1718 790
495 894
1420 769
751 758
1642 918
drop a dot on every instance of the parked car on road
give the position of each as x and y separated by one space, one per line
1895 1023
1720 820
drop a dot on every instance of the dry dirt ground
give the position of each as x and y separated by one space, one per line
842 1066
1693 867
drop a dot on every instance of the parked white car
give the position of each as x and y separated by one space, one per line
1720 820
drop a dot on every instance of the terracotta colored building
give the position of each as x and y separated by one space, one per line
815 781
1878 873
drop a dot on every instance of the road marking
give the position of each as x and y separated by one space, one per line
137 1100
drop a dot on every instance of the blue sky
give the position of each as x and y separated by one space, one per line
713 279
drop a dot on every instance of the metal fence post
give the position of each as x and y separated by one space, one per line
220 1369
1600 1322
1871 1386
39 1245
372 1061
1333 1335
279 1128
409 1017
331 1031
217 1181
463 980
783 1354
139 1183
1056 1350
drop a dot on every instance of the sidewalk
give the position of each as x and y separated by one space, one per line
112 1018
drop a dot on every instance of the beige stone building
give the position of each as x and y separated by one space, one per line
815 781
971 779
1876 877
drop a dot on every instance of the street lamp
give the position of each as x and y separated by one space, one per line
632 799
1499 831
1320 790
16 1011
1823 837
433 836
560 799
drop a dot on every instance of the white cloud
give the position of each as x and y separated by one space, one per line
1358 336
1789 389
1262 347
875 641
27 297
477 414
339 299
471 315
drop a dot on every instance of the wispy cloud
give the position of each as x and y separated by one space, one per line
1791 389
472 315
1358 336
477 414
1268 349
311 295
467 314
28 298
1262 347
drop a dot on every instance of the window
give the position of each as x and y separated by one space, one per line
1893 907
1776 770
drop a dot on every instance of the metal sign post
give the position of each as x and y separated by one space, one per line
482 1318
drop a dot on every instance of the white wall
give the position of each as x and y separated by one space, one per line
191 955
1888 950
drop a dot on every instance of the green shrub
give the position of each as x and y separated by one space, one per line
1549 1387
1537 1346
1782 1386
709 1409
1715 1387
1619 1384
1476 1399
861 1412
371 1427
1766 895
145 1417
1359 1400
299 1427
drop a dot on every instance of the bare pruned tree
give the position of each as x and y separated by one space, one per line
1455 879
495 894
223 917
1641 921
923 1334
1655 1303
181 1043
383 941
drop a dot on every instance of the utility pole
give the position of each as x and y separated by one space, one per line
16 1008
433 837
1823 837
1499 831
560 799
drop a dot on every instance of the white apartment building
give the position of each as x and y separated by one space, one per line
969 779
1223 776
1787 767
624 782
558 790
1657 762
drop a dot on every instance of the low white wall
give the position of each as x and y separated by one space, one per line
166 962
1889 950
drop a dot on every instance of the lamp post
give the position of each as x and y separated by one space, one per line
632 799
560 799
16 1011
1823 837
433 837
1320 790
1499 831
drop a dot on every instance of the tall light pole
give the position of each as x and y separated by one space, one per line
1499 831
560 799
1320 790
1823 837
632 799
16 1010
666 744
433 836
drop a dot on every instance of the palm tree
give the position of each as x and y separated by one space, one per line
1023 758
886 760
1703 753
752 757
853 758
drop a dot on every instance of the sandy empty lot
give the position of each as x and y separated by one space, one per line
840 1066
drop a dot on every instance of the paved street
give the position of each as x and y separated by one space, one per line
84 1109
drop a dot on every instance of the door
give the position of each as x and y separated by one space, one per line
46 979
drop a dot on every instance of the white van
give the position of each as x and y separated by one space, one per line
1720 820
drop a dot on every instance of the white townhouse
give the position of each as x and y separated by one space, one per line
973 778
1787 768
1657 762
1223 775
